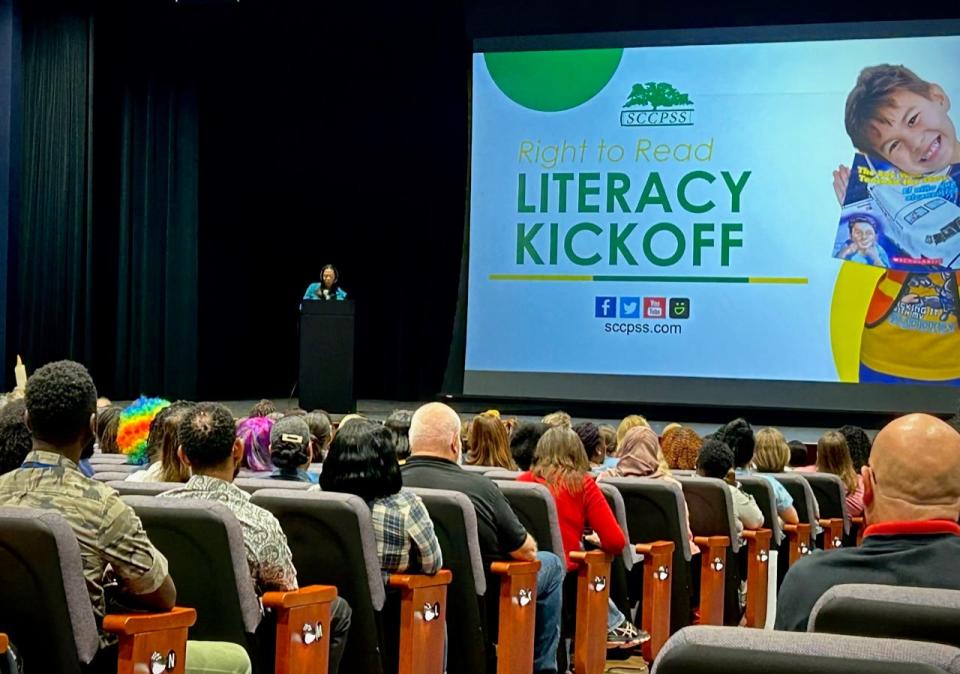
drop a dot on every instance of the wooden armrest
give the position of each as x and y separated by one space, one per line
713 570
517 568
517 610
413 581
151 638
657 591
799 539
860 524
129 624
313 594
591 556
423 611
303 628
833 532
593 594
758 555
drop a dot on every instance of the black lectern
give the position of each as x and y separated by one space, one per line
326 355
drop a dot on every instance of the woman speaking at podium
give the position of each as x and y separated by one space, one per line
328 288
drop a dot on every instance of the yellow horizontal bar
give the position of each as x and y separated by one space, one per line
539 277
778 279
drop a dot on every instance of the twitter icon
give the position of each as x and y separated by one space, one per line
629 307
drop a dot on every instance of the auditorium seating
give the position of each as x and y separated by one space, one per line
537 511
117 467
203 543
332 540
713 522
502 474
476 611
622 565
719 650
791 541
254 484
111 476
479 469
889 612
830 493
656 513
45 607
99 458
128 488
808 510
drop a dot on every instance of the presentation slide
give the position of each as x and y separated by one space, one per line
758 223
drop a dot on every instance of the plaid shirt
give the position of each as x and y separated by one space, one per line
405 538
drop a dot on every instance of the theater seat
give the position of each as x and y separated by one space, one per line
253 484
128 488
110 476
117 467
332 540
720 650
889 611
502 474
203 543
830 493
45 608
478 469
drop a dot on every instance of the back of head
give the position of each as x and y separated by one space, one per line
262 408
290 443
858 442
164 439
798 454
488 443
738 436
60 399
133 431
871 94
834 457
15 440
399 424
558 418
639 454
914 471
589 434
771 453
108 424
681 446
207 435
363 461
434 429
523 442
254 432
715 459
560 459
628 422
321 433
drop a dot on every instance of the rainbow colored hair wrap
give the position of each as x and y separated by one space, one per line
135 427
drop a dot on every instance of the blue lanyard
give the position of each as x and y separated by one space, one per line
37 464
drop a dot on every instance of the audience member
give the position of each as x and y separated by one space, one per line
262 408
558 418
213 452
436 449
523 442
15 440
489 445
254 435
398 424
61 404
716 460
911 495
162 443
134 428
775 455
609 435
321 433
108 423
363 461
593 445
291 450
561 464
833 456
628 422
858 442
680 447
798 455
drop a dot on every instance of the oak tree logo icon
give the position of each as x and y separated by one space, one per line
657 95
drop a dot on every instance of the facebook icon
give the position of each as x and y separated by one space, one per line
605 307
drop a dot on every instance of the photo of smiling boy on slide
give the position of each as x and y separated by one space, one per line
910 324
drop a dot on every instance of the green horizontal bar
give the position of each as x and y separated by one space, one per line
675 279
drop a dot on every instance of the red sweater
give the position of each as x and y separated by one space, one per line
576 511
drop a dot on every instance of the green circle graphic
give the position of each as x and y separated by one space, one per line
551 81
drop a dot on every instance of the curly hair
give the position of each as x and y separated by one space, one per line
134 427
523 442
858 442
592 441
715 459
738 436
15 439
60 399
207 434
680 446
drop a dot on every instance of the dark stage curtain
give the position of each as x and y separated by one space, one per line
108 252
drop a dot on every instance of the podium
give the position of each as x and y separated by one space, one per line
326 355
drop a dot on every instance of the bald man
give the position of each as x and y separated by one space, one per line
435 455
911 494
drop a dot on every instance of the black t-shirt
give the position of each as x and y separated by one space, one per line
904 560
498 528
